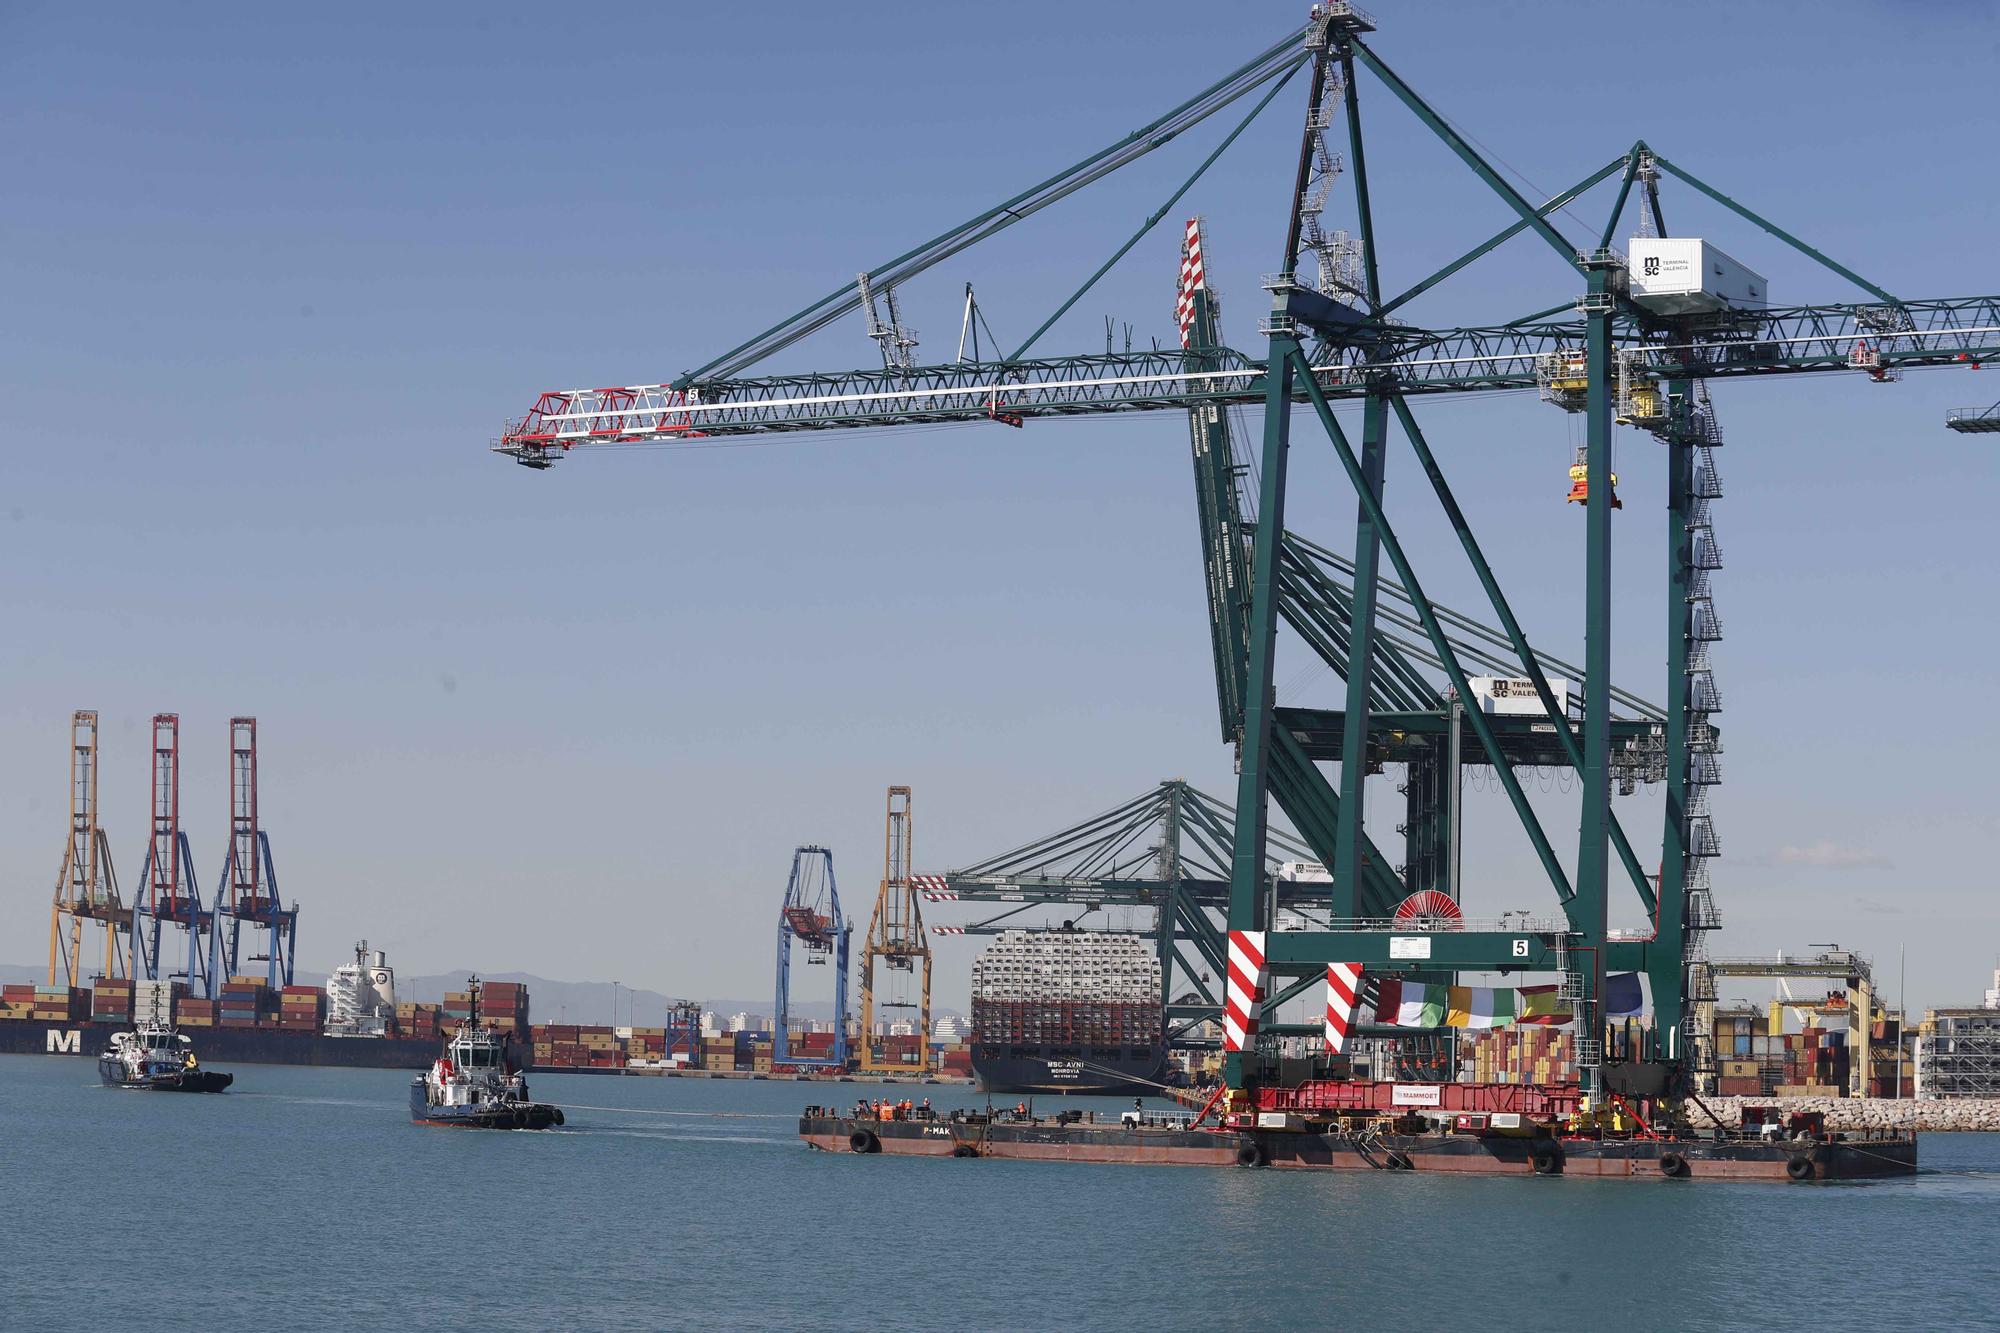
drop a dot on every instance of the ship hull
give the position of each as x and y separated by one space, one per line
1487 1155
245 1046
1045 1071
487 1115
112 1074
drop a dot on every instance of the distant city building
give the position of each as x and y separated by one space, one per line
739 1022
709 1026
1993 996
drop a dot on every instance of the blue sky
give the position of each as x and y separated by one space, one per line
274 279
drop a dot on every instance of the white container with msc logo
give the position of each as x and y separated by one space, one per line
1685 275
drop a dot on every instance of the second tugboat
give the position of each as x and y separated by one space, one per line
155 1058
473 1085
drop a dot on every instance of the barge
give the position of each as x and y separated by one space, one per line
1795 1149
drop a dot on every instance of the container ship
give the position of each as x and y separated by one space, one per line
1068 1011
354 1023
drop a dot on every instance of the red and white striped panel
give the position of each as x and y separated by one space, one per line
1343 988
935 888
1245 994
1193 279
947 930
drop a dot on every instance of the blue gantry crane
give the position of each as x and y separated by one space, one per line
811 917
168 900
246 895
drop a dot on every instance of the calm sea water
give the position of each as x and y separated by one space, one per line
305 1199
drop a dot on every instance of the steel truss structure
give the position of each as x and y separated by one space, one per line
1164 852
246 894
87 885
1959 1054
1334 339
895 938
168 895
811 917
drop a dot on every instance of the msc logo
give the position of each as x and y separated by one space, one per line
1651 264
66 1043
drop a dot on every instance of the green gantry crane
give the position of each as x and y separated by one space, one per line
1615 348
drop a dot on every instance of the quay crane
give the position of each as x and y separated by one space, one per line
896 939
1607 351
810 916
169 899
247 893
87 885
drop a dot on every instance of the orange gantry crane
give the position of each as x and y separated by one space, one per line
87 886
896 937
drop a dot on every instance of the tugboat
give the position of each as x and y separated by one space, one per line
155 1058
473 1085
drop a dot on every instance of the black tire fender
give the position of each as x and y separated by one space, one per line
1673 1166
1251 1155
1545 1158
559 1115
964 1150
863 1141
1400 1161
1799 1168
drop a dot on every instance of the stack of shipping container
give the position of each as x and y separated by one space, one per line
1067 989
1889 1074
1754 1061
901 1048
644 1043
111 1000
813 1046
17 1001
718 1053
156 1001
1816 1064
63 1004
301 1008
1524 1054
1750 1061
419 1022
245 1002
576 1046
503 1006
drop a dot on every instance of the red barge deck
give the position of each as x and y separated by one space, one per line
1075 1137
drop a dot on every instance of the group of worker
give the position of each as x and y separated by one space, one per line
885 1109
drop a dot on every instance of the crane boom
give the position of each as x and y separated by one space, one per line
1938 332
